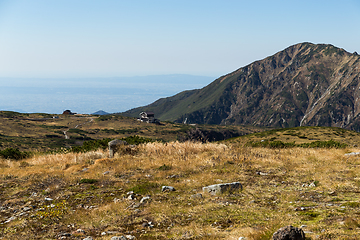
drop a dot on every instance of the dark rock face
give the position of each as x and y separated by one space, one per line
304 85
289 233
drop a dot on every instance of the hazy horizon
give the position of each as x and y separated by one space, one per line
88 95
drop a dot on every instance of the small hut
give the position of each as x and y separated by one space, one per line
148 117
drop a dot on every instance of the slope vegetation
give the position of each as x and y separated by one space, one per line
305 84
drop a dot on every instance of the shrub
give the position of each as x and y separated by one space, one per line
13 153
92 145
280 144
324 144
135 140
271 144
88 180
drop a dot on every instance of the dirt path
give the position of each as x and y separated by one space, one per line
79 125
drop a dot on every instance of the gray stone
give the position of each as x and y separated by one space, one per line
222 187
80 231
109 232
131 197
167 189
147 224
118 238
26 209
88 238
131 237
145 199
114 146
289 233
352 153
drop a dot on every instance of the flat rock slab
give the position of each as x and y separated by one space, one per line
352 153
222 188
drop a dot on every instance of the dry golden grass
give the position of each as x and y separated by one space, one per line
313 187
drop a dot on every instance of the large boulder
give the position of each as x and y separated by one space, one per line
289 233
115 145
222 188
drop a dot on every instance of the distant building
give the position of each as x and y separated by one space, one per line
68 112
148 117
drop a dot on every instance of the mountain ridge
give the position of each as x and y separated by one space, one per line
304 84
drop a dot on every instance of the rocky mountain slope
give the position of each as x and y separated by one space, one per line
305 84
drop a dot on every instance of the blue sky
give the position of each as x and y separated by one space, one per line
117 38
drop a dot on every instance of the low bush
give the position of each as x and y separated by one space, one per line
280 144
14 153
88 180
94 145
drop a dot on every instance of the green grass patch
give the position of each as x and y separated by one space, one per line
144 188
88 180
164 167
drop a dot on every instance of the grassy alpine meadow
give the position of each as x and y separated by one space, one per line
74 195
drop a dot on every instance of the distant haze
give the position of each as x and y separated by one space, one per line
88 95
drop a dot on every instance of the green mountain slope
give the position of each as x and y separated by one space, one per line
305 84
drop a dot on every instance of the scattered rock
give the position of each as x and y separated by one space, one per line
10 219
88 238
80 231
312 184
131 237
352 153
223 187
167 189
109 232
118 238
107 172
145 199
333 193
147 224
48 199
173 176
65 234
131 197
26 209
289 233
262 173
